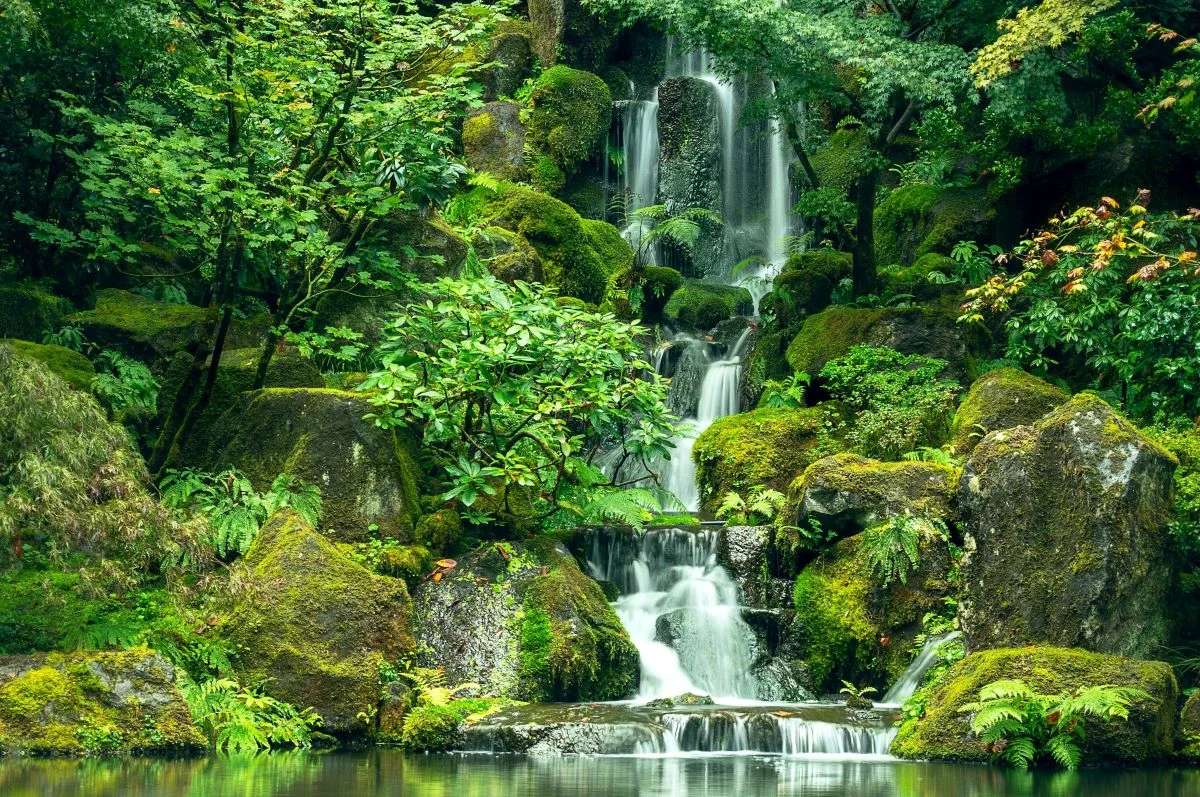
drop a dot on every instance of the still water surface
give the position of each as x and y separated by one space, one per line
380 773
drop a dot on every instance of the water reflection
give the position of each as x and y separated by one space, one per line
380 773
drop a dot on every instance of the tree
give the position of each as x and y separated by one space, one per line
878 66
276 164
516 395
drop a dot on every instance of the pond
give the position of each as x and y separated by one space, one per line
385 772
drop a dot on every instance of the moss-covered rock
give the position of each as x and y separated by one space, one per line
656 284
438 250
689 169
570 32
70 366
806 283
944 733
851 627
523 621
1064 533
1001 399
235 374
494 140
847 493
149 330
1189 728
510 54
570 111
615 252
762 447
439 530
74 704
929 329
926 278
700 306
314 626
840 161
367 475
566 247
28 311
916 219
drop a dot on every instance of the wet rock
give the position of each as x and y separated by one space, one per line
29 311
690 159
314 625
103 703
70 366
1065 535
782 680
494 140
746 552
685 699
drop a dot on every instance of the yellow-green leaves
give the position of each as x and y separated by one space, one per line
1045 26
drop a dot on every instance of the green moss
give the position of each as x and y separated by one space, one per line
28 311
430 728
944 732
570 112
762 447
573 646
830 334
657 283
840 640
1001 399
839 163
94 703
917 219
409 562
40 609
439 530
806 283
915 280
314 625
570 261
478 130
71 366
546 175
700 306
140 326
615 253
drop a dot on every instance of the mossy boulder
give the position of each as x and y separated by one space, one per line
847 493
510 54
29 311
314 626
927 277
152 331
700 306
656 283
913 220
766 446
235 375
1001 399
615 252
509 256
523 621
944 733
929 329
96 703
570 112
1189 728
570 32
70 366
806 284
494 140
367 475
1065 539
566 246
851 627
438 250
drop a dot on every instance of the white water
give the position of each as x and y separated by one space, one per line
671 583
640 152
911 678
719 396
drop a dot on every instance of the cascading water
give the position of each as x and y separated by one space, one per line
911 678
719 396
681 610
640 153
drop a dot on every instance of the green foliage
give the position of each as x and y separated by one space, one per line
514 393
124 385
71 484
569 113
1048 25
240 720
68 336
898 401
762 505
892 548
1111 294
786 393
235 510
1023 727
680 230
432 725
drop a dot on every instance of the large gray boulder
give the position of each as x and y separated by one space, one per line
1064 534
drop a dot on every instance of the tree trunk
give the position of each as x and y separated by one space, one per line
198 406
864 271
264 359
179 407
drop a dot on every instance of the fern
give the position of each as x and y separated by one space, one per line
761 506
240 720
939 456
634 507
288 491
893 547
124 385
1022 727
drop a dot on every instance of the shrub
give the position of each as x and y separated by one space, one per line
240 720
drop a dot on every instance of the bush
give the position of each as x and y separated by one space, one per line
898 401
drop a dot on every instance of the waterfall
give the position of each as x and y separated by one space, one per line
681 611
639 150
911 678
719 396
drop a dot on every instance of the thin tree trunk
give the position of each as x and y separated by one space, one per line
198 406
864 268
179 407
264 359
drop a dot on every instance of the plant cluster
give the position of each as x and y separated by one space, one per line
240 720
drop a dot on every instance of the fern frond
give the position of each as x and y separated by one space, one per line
1063 749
